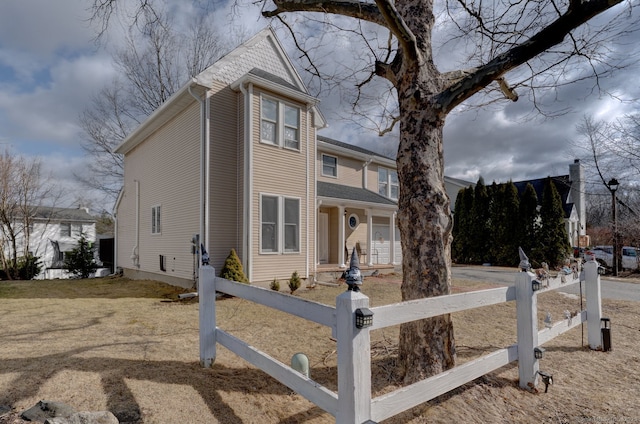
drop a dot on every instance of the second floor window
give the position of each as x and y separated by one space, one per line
329 166
279 124
388 185
65 229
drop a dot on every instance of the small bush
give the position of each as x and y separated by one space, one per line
232 269
294 282
28 267
81 262
275 285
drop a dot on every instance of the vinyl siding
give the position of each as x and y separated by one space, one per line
283 172
349 170
166 165
226 175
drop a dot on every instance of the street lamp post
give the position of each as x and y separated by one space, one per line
613 187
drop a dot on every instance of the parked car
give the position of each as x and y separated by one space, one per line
604 256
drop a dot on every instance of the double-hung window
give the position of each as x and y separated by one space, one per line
329 166
65 229
388 185
279 124
155 220
279 224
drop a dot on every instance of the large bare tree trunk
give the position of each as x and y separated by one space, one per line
426 347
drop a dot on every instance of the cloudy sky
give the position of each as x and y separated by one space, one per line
50 66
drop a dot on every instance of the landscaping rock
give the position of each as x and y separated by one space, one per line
4 410
46 409
102 417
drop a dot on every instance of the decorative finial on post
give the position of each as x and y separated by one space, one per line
205 255
525 265
354 277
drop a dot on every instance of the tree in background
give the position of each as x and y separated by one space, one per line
462 222
504 224
155 62
395 61
81 261
611 149
553 243
22 190
480 234
528 220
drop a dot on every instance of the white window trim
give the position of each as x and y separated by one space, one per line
281 225
353 215
389 184
329 175
156 227
280 123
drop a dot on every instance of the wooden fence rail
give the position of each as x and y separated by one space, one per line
354 404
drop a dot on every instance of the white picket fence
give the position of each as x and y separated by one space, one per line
355 404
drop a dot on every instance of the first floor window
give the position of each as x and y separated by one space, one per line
269 234
155 220
279 224
291 225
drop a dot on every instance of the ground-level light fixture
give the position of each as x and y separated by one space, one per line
605 328
547 379
364 318
536 285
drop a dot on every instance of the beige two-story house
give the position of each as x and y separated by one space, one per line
233 161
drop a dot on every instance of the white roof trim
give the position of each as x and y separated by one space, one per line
274 86
332 201
175 104
332 148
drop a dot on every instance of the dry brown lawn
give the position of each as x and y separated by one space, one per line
132 348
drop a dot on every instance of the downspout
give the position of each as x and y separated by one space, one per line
308 195
135 257
203 206
247 204
116 206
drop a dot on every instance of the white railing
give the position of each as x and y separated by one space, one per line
355 405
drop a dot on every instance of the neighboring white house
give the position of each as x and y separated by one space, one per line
55 232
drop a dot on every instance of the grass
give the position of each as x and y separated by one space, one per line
132 347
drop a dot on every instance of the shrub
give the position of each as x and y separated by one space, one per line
80 261
294 282
232 269
28 267
275 285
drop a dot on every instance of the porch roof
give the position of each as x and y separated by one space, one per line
354 194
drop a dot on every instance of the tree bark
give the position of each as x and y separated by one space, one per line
426 347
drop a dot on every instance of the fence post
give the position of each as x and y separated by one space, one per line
594 304
207 315
527 315
354 361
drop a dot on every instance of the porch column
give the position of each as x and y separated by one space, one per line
341 241
369 235
392 239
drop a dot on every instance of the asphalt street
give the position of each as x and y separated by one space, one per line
616 289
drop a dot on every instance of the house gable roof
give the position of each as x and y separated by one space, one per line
61 214
563 185
261 56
